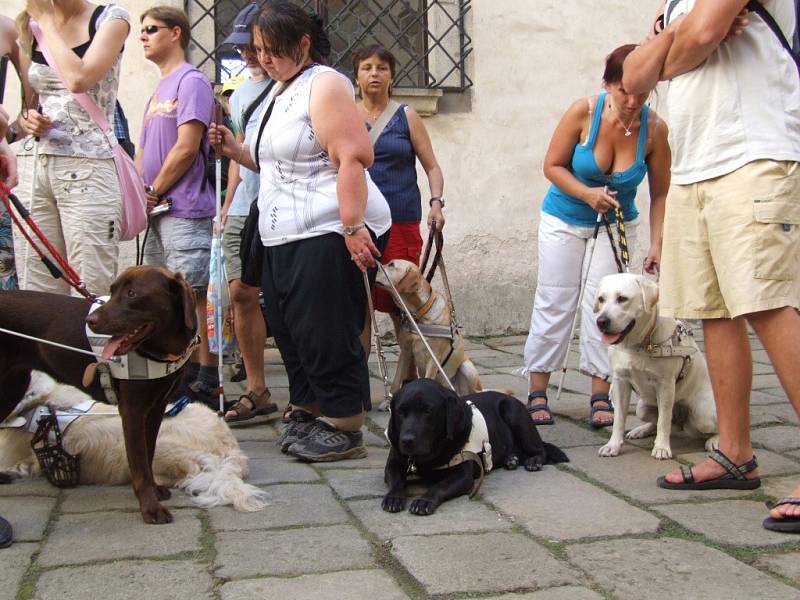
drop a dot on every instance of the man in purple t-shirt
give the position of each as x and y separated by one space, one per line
172 159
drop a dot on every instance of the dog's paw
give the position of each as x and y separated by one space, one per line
163 492
642 431
157 515
512 462
393 504
661 452
423 507
533 463
712 443
610 449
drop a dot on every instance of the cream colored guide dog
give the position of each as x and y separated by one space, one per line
660 361
428 308
195 450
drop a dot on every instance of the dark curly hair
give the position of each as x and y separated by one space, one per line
283 24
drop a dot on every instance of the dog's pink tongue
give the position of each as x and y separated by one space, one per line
111 347
611 338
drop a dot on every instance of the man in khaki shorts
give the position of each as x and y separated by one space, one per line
731 252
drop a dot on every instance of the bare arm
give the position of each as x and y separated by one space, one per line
81 74
233 182
659 162
341 132
180 157
559 156
421 142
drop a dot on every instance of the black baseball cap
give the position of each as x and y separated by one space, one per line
240 35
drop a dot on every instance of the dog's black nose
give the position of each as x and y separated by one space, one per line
407 442
603 323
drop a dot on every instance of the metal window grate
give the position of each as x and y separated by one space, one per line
428 37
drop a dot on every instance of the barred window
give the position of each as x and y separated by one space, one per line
428 37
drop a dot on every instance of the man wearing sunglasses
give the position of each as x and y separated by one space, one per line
172 158
246 103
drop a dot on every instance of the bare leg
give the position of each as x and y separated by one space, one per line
601 386
353 423
730 367
202 354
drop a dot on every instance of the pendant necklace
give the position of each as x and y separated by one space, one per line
627 129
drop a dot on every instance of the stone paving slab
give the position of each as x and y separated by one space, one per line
779 438
634 473
291 552
786 565
256 432
566 434
290 505
779 487
666 569
153 580
769 380
38 486
770 464
352 483
740 525
376 459
572 405
269 465
379 418
794 454
348 585
14 564
496 360
79 538
91 498
761 415
504 341
759 397
449 564
454 516
567 592
558 506
28 516
784 411
506 382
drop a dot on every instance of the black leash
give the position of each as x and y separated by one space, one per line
621 257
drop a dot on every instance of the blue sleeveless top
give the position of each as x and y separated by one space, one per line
584 167
394 170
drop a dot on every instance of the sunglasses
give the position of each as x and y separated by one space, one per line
152 29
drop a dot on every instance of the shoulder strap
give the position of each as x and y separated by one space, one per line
93 20
89 105
758 8
383 121
595 125
255 104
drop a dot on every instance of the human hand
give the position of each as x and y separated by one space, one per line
38 8
3 122
737 27
362 249
436 217
221 137
652 262
601 199
34 123
8 164
152 200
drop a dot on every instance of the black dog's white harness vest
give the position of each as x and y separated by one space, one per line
132 365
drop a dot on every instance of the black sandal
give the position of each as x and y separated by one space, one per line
609 407
733 479
786 524
532 408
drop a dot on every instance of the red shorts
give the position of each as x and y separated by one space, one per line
404 242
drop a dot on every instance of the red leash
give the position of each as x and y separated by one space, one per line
66 272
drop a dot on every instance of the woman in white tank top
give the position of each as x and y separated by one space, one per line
320 216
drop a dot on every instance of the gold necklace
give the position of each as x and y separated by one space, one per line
372 117
628 131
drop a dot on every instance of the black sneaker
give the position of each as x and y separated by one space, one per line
6 533
327 443
301 423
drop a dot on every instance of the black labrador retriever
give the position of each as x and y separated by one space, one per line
429 428
151 310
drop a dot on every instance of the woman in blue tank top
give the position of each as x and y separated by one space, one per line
598 155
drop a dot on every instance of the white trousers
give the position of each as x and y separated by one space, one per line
78 207
563 254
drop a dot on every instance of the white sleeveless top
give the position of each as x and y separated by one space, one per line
297 198
742 104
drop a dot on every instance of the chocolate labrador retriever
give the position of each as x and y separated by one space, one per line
151 311
451 442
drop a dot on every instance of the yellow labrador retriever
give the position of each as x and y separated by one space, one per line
658 358
432 313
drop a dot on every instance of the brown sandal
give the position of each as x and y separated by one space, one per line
251 405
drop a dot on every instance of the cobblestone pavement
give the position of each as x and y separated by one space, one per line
592 528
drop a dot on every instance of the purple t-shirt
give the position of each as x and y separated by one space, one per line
182 96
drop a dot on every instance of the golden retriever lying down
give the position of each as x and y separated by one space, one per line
195 450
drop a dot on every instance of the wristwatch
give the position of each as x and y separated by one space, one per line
150 191
352 229
439 199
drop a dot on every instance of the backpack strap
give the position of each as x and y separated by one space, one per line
758 8
383 121
248 112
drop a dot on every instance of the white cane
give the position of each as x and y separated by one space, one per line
218 258
584 278
30 205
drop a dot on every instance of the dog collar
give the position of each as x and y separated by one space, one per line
425 308
133 365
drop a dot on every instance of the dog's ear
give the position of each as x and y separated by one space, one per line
596 306
188 302
459 414
409 282
649 293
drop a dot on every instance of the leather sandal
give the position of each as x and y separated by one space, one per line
533 408
732 479
608 407
786 524
251 405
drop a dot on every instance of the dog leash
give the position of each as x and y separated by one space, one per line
437 238
621 257
63 270
114 359
398 300
387 395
